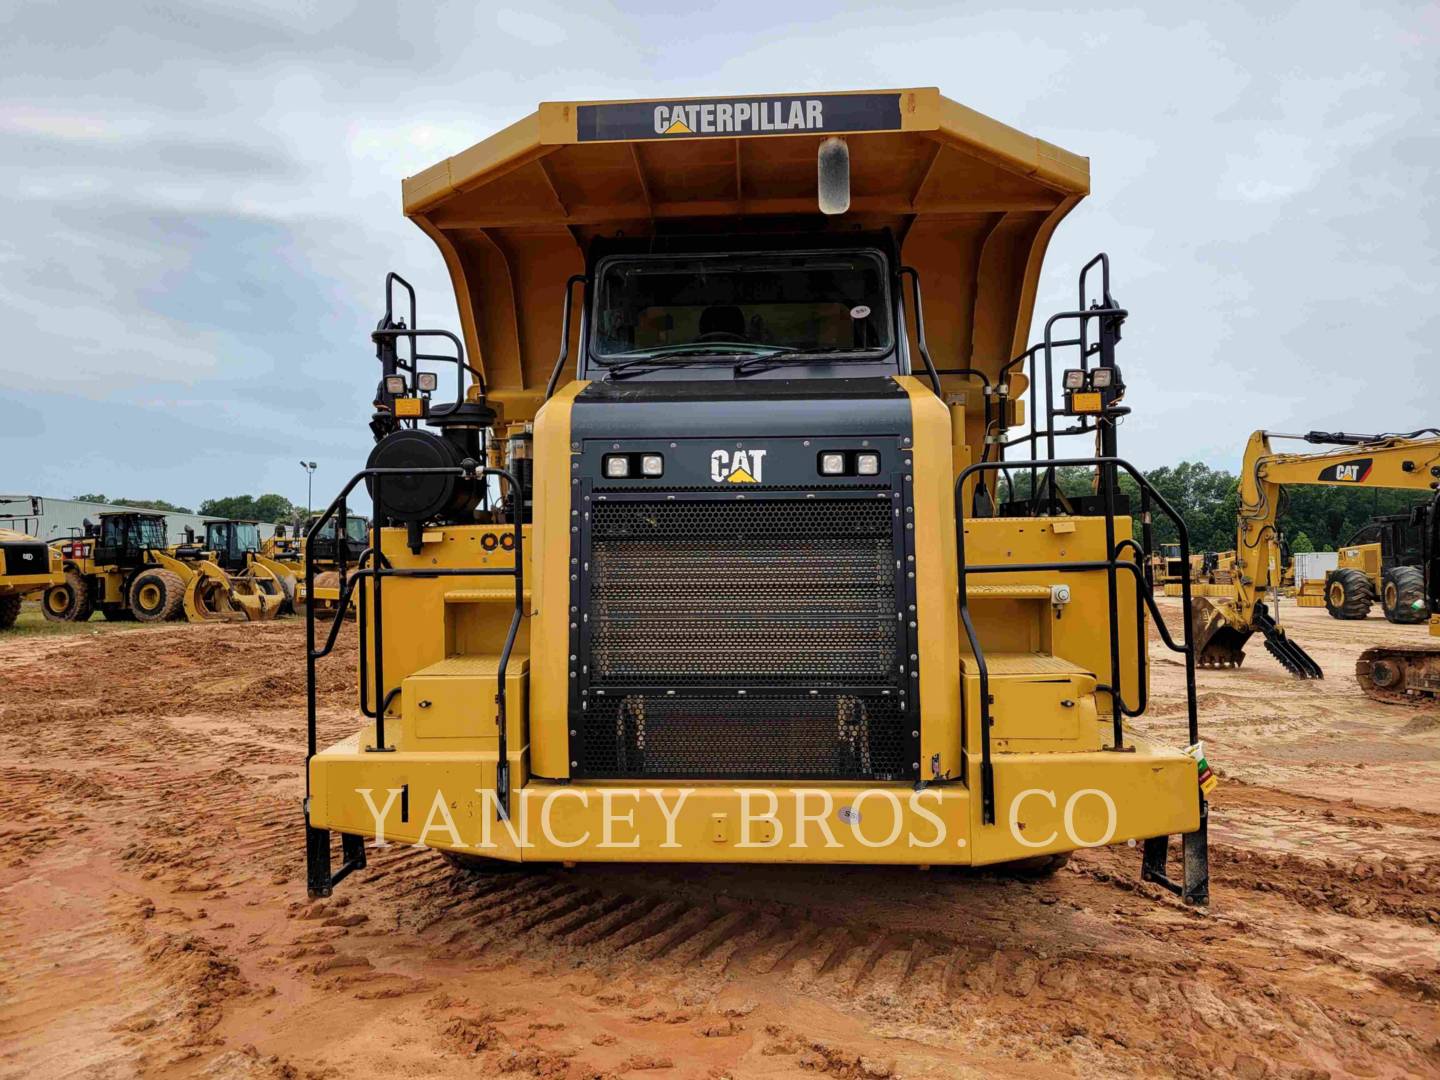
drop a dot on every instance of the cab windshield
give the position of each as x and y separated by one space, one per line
726 307
356 528
147 533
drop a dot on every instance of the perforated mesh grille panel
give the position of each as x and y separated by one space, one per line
765 592
792 599
700 736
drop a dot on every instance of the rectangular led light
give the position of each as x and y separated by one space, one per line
427 381
832 464
1074 379
652 465
395 384
1102 377
867 464
617 466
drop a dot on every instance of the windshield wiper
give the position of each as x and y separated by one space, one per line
752 365
642 361
642 365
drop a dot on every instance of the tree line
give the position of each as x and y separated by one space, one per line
1310 518
271 508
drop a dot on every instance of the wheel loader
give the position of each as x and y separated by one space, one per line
322 546
125 569
1407 673
27 565
235 546
767 563
1384 561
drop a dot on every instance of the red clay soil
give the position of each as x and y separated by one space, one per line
155 919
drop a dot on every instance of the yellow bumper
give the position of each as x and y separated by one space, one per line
1045 803
27 583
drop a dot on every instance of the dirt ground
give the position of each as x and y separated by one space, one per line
153 918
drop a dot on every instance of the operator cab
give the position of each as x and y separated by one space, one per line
124 538
231 541
324 548
733 308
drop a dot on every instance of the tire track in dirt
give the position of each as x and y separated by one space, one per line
179 813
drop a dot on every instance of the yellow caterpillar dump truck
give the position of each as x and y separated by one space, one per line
126 569
1396 673
769 565
27 565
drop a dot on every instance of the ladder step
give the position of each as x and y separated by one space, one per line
497 594
1008 592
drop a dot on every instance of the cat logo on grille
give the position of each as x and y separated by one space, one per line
739 467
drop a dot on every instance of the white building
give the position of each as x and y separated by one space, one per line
60 518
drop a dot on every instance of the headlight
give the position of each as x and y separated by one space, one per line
1074 379
395 384
652 465
867 464
427 381
617 466
1102 378
832 464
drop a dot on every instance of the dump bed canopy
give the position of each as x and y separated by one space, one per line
972 202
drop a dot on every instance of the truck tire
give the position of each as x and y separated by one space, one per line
69 601
1348 594
9 610
479 864
1035 869
1403 595
156 595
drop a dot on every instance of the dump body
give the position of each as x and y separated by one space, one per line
736 622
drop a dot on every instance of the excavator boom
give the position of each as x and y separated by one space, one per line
1221 627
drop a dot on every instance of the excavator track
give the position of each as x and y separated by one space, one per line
1400 674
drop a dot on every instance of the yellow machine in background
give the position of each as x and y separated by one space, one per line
27 565
1210 573
321 545
127 570
1221 628
750 577
1377 564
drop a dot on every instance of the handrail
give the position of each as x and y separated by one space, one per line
559 367
377 573
1112 564
914 276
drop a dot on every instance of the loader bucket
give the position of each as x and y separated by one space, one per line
208 600
1216 633
257 606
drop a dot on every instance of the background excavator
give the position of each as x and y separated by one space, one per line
1222 626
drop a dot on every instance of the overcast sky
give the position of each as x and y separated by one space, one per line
201 200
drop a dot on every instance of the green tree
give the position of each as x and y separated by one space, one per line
275 509
1302 544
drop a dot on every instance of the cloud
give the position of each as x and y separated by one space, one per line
203 198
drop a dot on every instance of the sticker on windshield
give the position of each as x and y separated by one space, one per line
860 311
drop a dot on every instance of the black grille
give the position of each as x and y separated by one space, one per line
15 561
715 736
793 601
780 591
